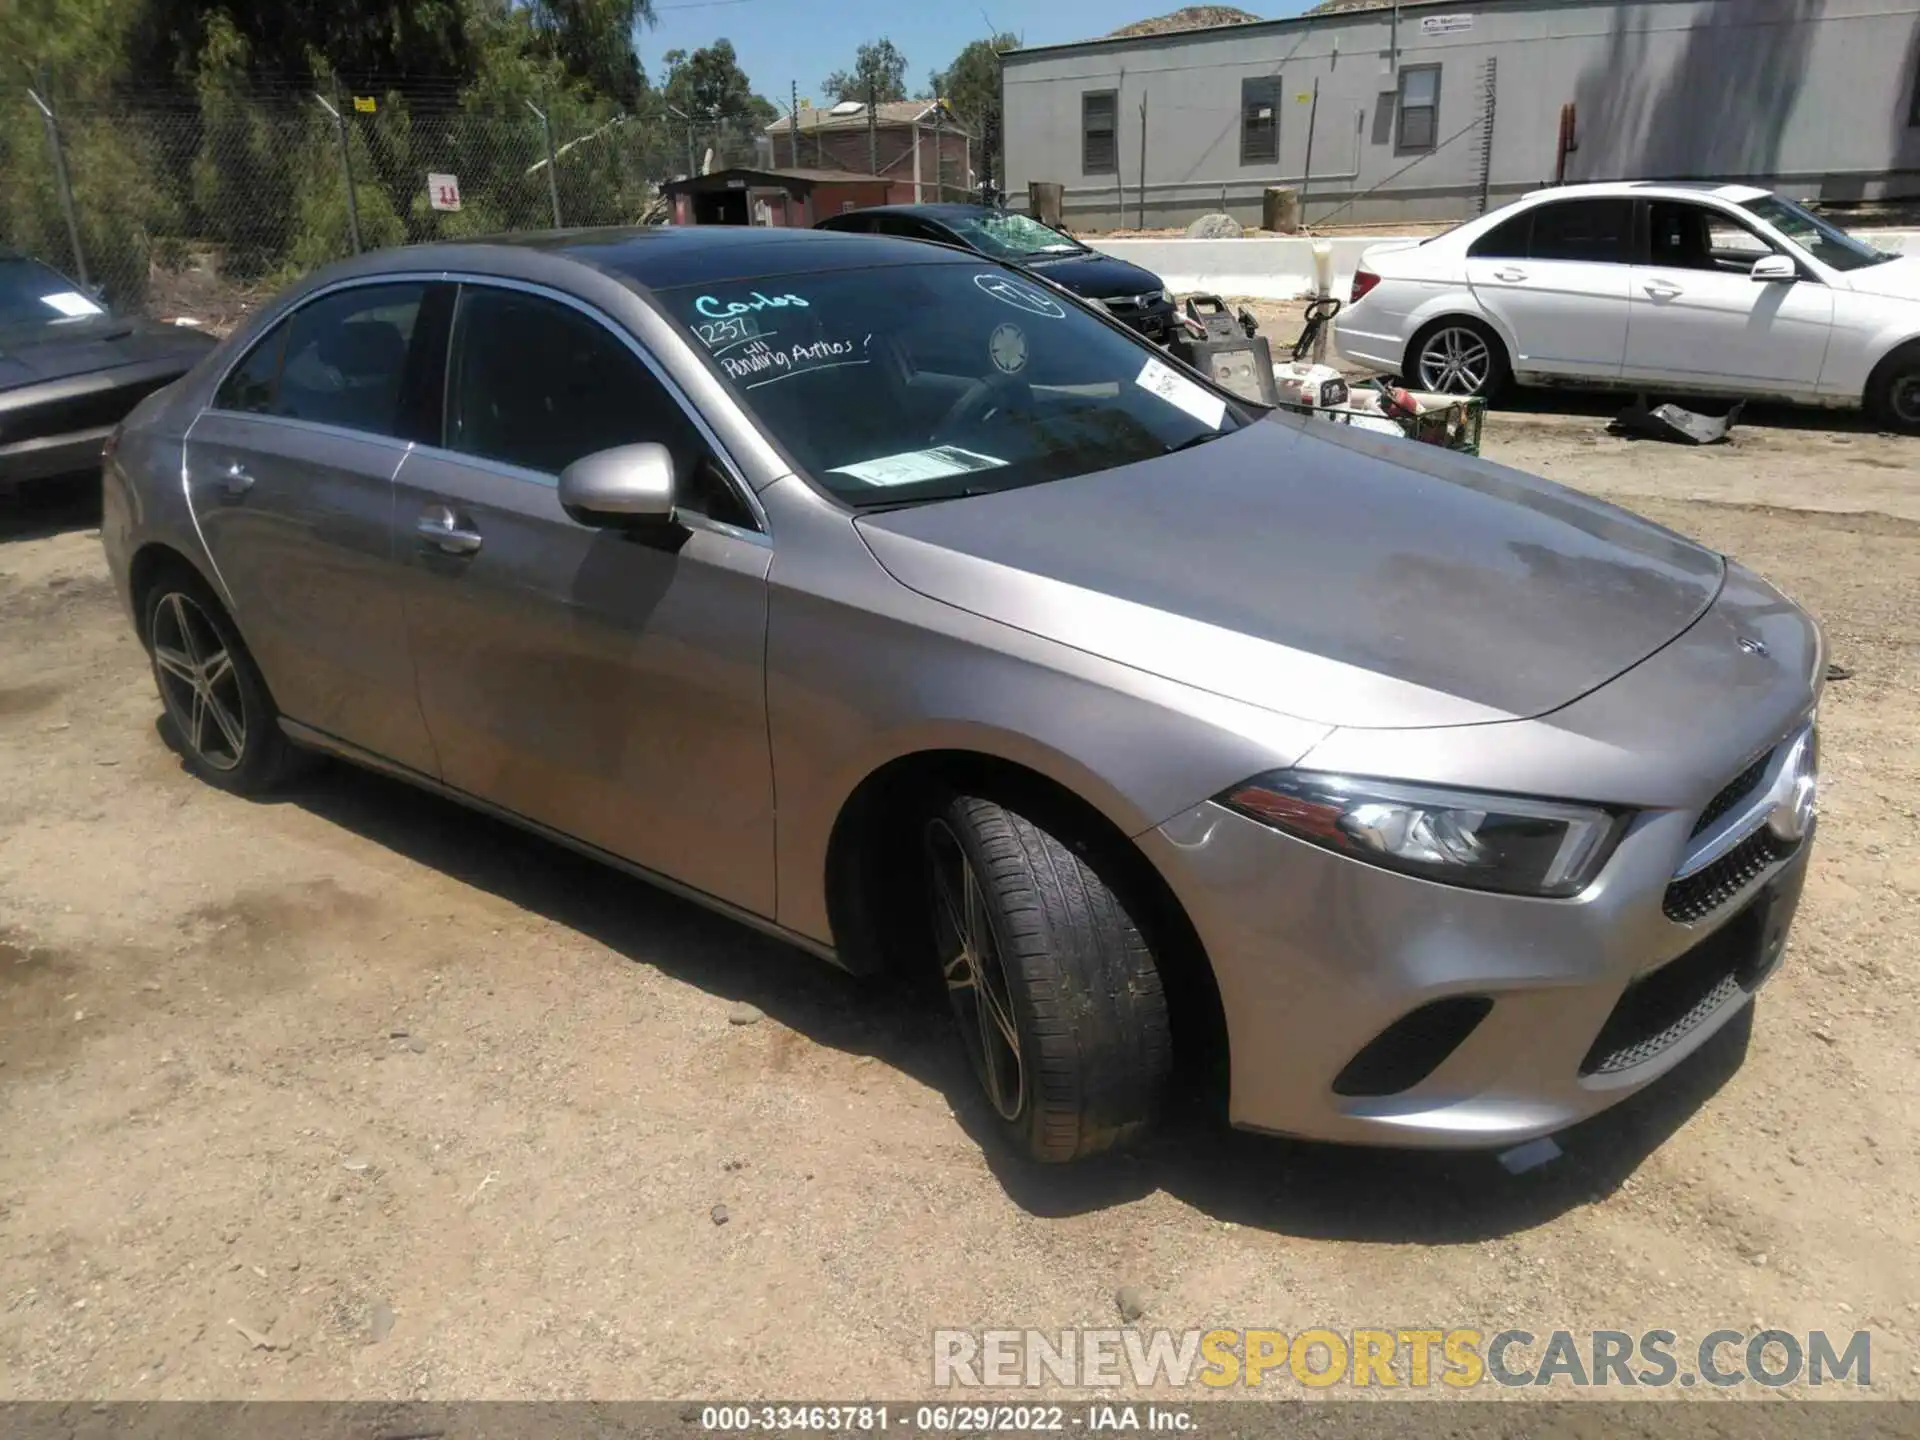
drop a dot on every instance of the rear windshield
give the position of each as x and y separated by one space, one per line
915 382
1822 239
34 296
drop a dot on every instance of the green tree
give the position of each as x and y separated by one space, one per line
878 68
971 86
715 103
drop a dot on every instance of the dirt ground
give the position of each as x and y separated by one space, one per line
434 1109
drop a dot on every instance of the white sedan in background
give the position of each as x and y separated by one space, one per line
1713 289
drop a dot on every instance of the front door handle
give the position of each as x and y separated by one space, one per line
235 482
1509 273
439 527
1662 289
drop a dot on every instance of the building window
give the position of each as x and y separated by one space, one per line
1419 107
1099 153
1260 121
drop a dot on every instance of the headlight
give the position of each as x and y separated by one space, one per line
1457 837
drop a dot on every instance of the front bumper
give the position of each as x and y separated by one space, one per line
1312 971
1316 955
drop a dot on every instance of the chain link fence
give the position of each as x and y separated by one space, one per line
199 206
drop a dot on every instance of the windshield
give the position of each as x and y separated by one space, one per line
1012 237
33 296
907 383
1826 242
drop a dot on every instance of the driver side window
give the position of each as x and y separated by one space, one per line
538 385
1683 236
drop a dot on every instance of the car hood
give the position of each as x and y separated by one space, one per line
1331 575
1896 279
1095 275
57 352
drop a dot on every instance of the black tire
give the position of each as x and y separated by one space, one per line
1893 394
1430 351
1094 1050
182 620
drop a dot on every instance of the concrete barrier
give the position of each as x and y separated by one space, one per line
1280 267
1267 267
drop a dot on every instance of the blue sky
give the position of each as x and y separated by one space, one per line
804 40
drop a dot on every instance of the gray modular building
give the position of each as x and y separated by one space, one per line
1432 111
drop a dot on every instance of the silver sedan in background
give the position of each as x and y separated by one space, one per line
893 602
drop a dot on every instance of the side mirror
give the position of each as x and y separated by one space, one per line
1774 267
627 487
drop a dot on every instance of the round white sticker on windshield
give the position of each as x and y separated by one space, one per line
1008 347
1021 296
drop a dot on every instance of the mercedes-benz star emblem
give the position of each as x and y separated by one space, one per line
1751 645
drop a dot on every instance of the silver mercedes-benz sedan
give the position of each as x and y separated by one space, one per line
891 600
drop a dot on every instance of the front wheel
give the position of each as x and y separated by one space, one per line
1458 356
1057 998
1893 395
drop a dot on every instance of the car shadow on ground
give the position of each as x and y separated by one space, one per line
1604 405
1289 1187
46 508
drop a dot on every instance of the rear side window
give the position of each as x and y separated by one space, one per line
249 385
1595 230
1508 240
340 360
539 385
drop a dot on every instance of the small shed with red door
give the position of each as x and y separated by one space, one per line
797 198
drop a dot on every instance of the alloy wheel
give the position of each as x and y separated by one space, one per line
976 979
1455 361
198 682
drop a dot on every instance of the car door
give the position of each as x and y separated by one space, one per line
608 685
1698 316
1555 278
290 477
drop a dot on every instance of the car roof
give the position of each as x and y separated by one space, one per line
945 210
659 257
1647 188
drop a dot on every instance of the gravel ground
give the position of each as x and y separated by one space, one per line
352 1094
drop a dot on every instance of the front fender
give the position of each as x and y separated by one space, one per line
862 671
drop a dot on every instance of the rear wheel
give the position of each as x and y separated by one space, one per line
1893 395
221 717
1458 356
1056 995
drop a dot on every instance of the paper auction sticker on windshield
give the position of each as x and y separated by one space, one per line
71 302
1174 388
914 465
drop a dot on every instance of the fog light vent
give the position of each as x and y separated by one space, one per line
1410 1049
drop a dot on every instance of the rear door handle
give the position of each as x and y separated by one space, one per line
235 482
1662 289
446 532
1509 273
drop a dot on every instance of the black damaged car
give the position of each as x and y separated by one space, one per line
70 370
1134 297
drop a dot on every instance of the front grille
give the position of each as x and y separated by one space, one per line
1660 1010
1736 790
1707 889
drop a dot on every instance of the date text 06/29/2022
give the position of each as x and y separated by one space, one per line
1102 1416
